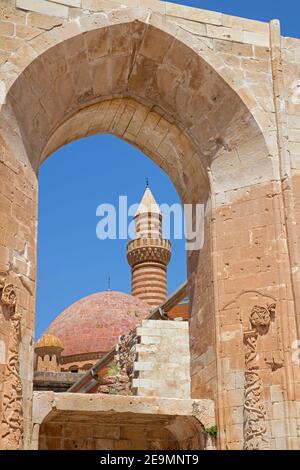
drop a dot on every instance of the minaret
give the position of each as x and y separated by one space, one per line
149 254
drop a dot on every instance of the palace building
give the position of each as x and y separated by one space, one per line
88 329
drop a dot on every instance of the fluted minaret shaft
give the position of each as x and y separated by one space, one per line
149 254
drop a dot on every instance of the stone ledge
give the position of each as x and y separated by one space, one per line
60 7
46 403
44 6
69 3
216 18
55 381
199 22
162 324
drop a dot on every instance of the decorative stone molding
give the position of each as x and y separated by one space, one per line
260 318
158 251
254 410
80 357
12 413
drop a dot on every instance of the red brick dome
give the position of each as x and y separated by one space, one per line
94 323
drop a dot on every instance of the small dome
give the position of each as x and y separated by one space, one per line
94 323
49 341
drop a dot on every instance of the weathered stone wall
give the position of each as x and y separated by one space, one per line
59 436
162 365
16 319
47 363
209 98
55 381
288 88
153 361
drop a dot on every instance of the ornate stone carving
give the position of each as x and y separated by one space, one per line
254 411
260 318
12 404
275 362
156 250
8 296
254 414
126 353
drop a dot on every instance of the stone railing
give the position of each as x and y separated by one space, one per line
148 249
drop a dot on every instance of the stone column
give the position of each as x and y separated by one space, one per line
252 279
18 217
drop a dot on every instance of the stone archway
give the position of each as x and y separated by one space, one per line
137 75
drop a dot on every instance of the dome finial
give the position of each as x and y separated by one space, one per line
108 283
147 182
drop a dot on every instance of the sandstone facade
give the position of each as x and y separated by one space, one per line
214 101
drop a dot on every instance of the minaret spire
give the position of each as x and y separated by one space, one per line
149 254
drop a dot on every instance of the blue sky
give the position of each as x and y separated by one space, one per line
287 11
72 262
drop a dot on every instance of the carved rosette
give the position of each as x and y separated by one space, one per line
260 318
254 410
12 404
8 296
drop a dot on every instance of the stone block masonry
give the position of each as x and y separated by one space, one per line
162 366
46 7
199 22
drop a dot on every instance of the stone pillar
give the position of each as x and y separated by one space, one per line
18 215
255 323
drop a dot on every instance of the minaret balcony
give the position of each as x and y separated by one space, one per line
143 250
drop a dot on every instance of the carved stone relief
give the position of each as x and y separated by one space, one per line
8 296
12 402
126 353
254 410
